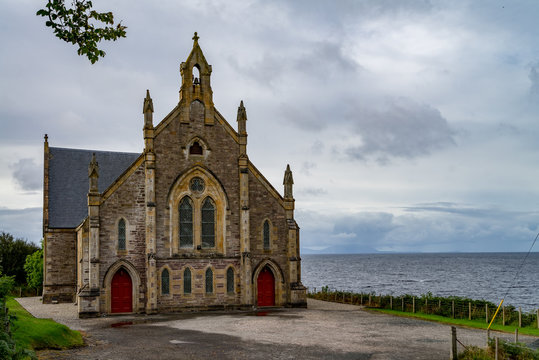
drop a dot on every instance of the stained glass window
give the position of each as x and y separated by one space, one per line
186 223
266 235
197 185
209 281
165 282
208 224
121 234
187 281
230 280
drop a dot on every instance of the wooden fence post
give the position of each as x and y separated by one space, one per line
361 299
426 306
453 354
413 304
519 317
402 300
453 309
516 335
470 310
486 313
391 302
503 315
370 298
538 318
496 349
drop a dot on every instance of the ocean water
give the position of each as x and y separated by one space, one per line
487 276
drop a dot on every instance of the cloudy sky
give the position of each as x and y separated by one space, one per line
410 126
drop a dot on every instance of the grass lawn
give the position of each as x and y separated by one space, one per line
478 324
32 333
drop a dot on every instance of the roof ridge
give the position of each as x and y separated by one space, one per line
96 151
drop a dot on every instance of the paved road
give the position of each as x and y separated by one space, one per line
323 331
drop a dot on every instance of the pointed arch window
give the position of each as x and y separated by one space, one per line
196 74
208 223
186 223
209 281
165 282
195 149
121 234
187 281
230 280
266 235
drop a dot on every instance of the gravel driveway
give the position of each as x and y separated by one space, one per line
323 331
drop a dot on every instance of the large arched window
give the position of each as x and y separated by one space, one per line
208 223
266 234
165 282
121 234
230 280
209 281
186 223
187 281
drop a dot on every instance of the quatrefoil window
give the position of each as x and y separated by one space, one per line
197 185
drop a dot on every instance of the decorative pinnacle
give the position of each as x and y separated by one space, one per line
46 138
93 167
148 103
195 38
288 182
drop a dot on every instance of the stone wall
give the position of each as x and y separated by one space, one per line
60 265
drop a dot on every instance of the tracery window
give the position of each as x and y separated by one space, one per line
209 281
121 234
186 223
165 282
208 223
266 235
230 280
187 281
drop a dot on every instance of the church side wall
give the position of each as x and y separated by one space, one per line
127 202
60 265
266 207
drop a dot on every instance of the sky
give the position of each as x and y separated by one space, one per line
410 126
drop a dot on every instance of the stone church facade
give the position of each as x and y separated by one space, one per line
188 224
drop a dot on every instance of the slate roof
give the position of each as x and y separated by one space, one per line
68 181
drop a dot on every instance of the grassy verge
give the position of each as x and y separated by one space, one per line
32 333
477 324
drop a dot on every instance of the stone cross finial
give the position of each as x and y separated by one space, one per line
93 174
288 182
196 37
46 138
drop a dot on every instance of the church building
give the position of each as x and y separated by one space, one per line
188 224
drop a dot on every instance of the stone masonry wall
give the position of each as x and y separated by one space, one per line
60 265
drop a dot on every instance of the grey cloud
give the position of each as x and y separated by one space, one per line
22 223
401 128
311 192
306 167
27 174
533 75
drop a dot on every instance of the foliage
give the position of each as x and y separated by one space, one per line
34 269
77 25
7 283
474 353
13 253
34 333
512 351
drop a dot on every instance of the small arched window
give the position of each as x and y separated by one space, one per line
208 223
266 235
165 282
121 234
230 280
187 281
195 149
186 223
209 281
196 75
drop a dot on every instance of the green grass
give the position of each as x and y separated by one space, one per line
32 333
477 324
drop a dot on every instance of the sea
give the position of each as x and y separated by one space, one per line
479 276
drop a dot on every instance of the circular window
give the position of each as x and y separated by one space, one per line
196 185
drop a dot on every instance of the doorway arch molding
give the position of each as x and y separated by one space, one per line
279 281
135 281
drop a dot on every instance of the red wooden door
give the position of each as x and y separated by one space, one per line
121 293
266 288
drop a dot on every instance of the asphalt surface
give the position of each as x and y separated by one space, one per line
323 331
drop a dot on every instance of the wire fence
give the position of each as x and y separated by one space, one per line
451 307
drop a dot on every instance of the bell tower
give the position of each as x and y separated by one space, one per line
196 96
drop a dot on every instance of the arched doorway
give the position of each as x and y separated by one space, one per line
266 287
121 292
